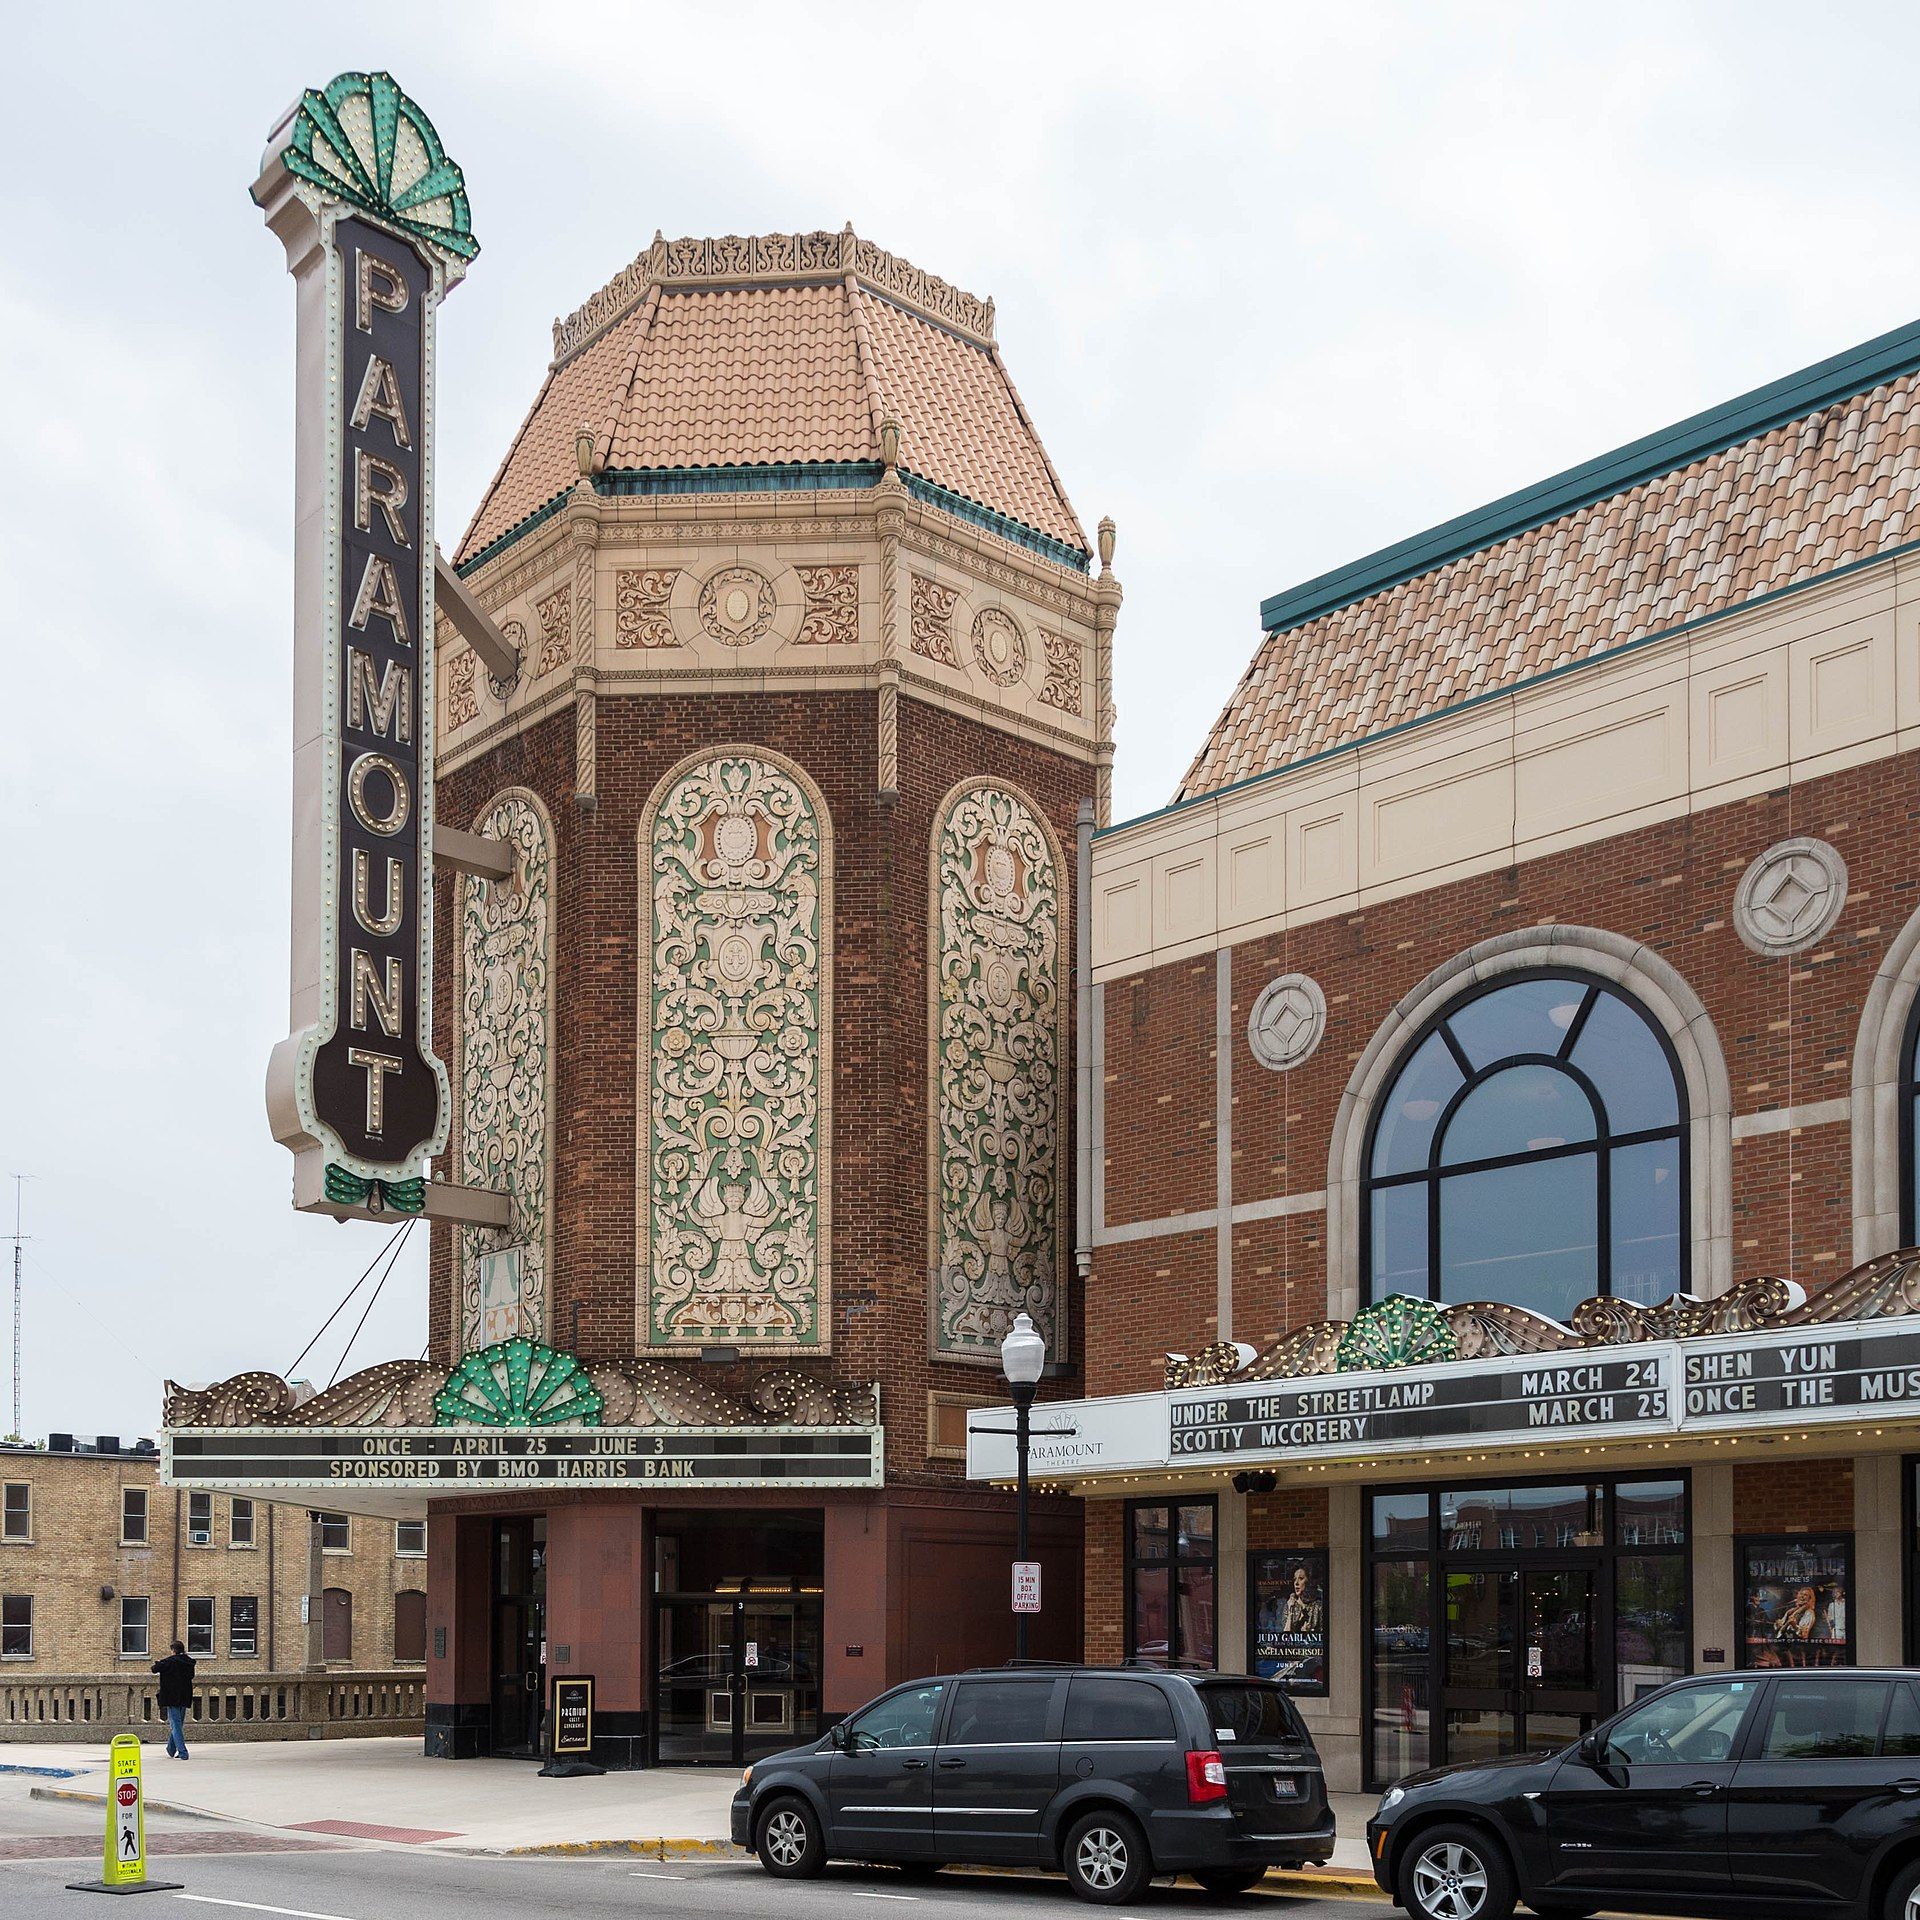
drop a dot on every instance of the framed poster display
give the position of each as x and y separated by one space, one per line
1287 1628
1795 1594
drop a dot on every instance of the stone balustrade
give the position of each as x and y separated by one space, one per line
265 1706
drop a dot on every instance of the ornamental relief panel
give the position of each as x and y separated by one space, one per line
833 606
997 1043
555 614
1061 688
505 994
737 1029
930 619
640 616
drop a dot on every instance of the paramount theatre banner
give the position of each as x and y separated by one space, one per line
373 216
1762 1356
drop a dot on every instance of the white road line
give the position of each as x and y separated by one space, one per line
860 1893
254 1906
634 1873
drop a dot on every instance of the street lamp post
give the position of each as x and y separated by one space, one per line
1023 1354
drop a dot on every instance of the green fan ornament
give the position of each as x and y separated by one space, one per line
1398 1332
363 141
518 1383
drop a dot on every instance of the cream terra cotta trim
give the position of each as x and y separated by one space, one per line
643 1065
1874 1099
1060 1347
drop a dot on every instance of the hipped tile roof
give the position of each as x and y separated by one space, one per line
1836 485
778 349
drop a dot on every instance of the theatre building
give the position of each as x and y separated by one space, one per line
768 1035
1500 1128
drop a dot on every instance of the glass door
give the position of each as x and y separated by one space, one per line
519 1636
1479 1696
738 1677
1559 1674
1519 1668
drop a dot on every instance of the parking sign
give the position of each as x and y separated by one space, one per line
1026 1586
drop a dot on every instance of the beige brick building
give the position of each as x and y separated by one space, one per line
101 1568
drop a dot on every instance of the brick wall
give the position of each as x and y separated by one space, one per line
1793 1496
1106 1550
1787 1028
882 852
1291 1517
76 1550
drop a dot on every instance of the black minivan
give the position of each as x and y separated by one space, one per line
1111 1775
1782 1792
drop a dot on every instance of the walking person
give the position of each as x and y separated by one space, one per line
176 1696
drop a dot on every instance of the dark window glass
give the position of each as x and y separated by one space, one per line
1103 1709
241 1524
1823 1720
410 1626
1196 1615
133 1516
1523 1235
988 1711
200 1626
243 1626
1170 1582
1247 1714
1502 1135
134 1614
1522 1518
1401 1521
410 1536
199 1519
1650 1513
1402 1666
1151 1635
1693 1727
1531 1016
903 1719
16 1626
1196 1532
336 1533
1649 1623
1426 1083
19 1511
1901 1740
1149 1533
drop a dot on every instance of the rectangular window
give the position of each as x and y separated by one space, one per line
1824 1720
996 1712
1796 1600
1170 1582
18 1524
133 1625
240 1524
243 1627
199 1519
133 1516
200 1626
1099 1708
16 1626
410 1538
336 1533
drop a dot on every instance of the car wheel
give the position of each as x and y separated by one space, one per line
788 1841
1903 1897
1229 1880
1106 1858
1456 1873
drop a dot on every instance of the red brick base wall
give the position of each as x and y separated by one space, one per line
1793 1496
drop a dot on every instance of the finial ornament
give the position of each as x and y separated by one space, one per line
1105 537
889 443
361 140
583 450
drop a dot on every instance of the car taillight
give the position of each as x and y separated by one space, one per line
1206 1778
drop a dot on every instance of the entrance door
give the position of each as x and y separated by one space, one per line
1519 1668
738 1676
519 1636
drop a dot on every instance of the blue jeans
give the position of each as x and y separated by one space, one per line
177 1731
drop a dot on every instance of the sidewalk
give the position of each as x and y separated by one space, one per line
386 1790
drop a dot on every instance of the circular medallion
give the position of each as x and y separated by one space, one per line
999 646
1001 870
1790 897
1287 1021
737 606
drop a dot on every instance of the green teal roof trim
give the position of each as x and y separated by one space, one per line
1507 692
1883 358
789 477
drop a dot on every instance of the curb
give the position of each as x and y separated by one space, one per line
100 1800
661 1849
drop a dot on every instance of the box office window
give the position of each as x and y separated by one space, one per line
1514 1615
18 1521
16 1626
1530 1150
240 1524
1171 1582
243 1627
200 1626
1795 1596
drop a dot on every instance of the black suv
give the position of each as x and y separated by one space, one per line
1111 1775
1795 1791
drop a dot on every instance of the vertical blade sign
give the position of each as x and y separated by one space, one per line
374 219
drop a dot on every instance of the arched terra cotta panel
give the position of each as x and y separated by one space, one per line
505 996
736 1044
997 1045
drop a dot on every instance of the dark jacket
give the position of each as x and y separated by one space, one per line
176 1680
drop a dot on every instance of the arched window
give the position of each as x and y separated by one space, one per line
1530 1149
1910 1131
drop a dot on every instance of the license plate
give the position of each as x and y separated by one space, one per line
1285 1787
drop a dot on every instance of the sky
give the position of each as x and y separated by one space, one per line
1279 284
